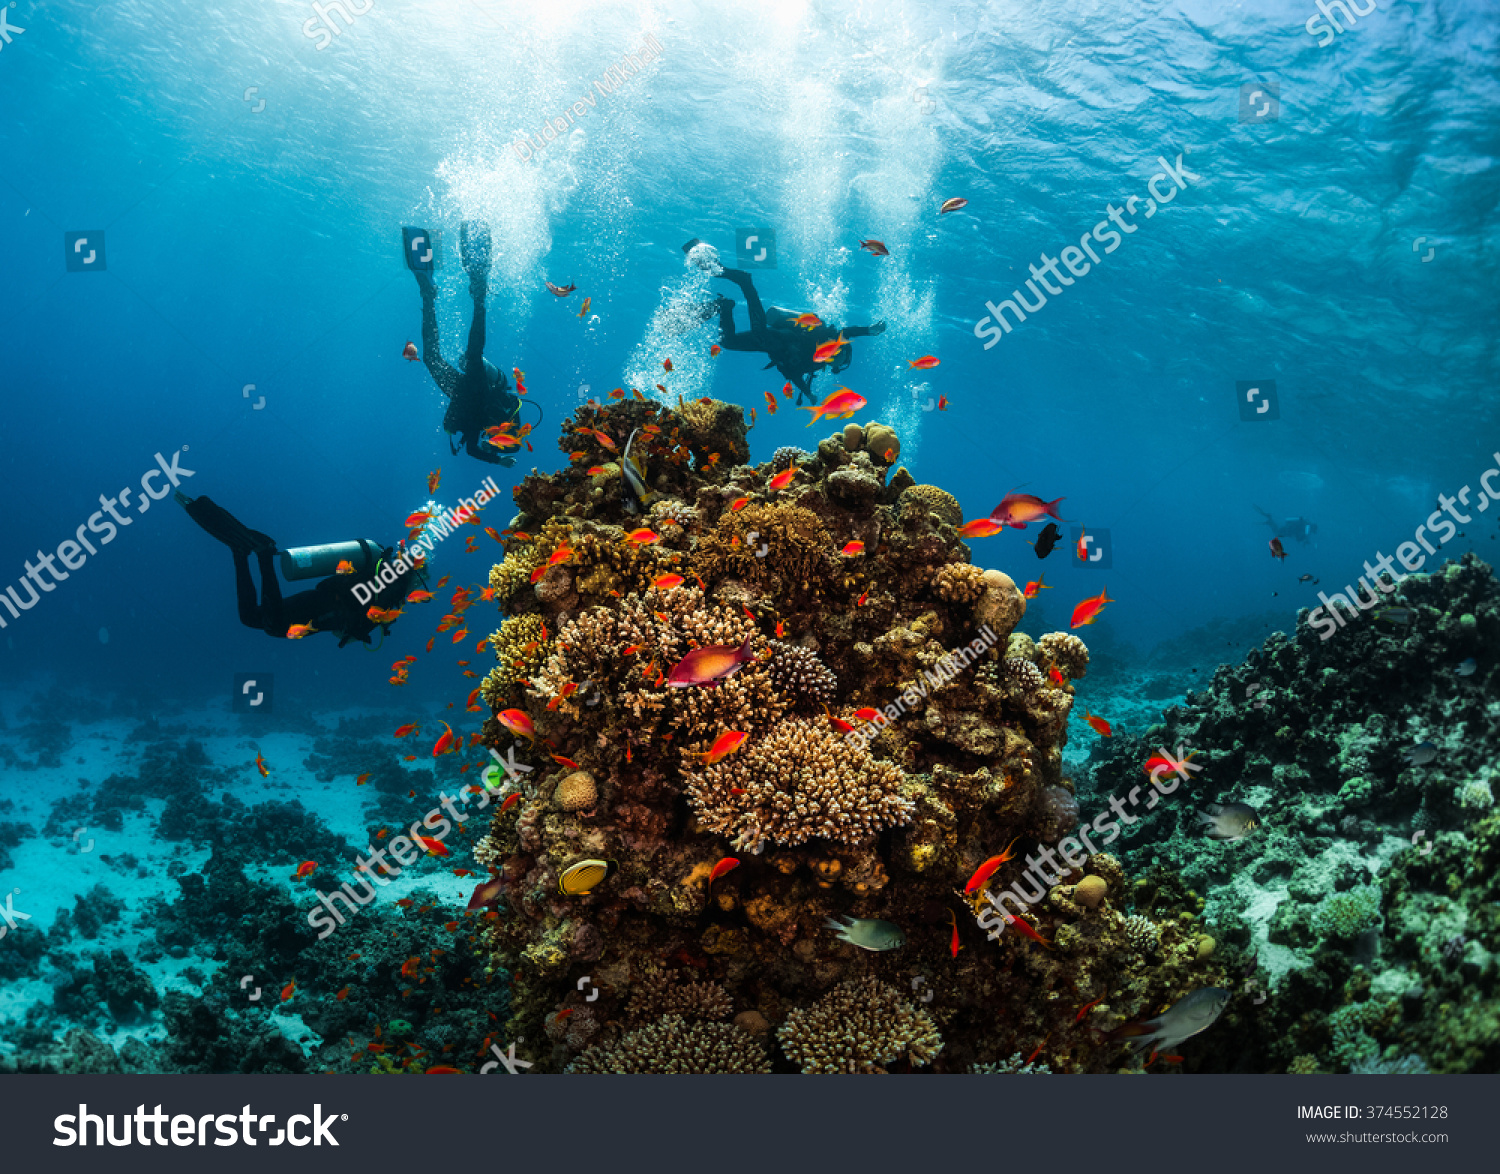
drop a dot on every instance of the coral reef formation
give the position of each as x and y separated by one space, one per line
887 731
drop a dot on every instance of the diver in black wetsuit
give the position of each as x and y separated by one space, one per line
1297 529
479 395
789 347
331 606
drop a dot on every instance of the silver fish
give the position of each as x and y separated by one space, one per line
1396 615
1229 821
868 933
1185 1018
1420 754
637 496
1467 668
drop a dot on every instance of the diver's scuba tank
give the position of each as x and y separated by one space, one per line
318 562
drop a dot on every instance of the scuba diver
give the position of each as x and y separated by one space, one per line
479 395
1299 529
789 347
331 606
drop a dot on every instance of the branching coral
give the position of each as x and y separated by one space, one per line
958 582
799 673
782 550
859 1026
934 500
519 650
802 780
1067 652
672 1046
658 992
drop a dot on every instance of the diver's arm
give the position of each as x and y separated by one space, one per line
863 331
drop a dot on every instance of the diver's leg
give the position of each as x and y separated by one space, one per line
474 353
442 372
244 591
270 618
752 299
803 382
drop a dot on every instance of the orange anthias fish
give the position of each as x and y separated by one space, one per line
1156 763
289 990
786 389
443 1070
434 847
587 302
954 946
807 321
826 352
510 801
409 728
362 780
666 364
260 765
420 518
713 351
1083 544
642 537
709 665
770 403
782 479
433 478
298 631
446 744
1054 674
409 351
953 205
867 714
1101 726
1035 587
1021 924
518 723
853 548
1016 509
724 745
419 597
305 870
1088 611
663 582
925 363
728 864
942 403
1087 1007
738 504
980 528
561 555
875 248
1277 550
409 967
986 870
384 615
342 995
567 762
345 567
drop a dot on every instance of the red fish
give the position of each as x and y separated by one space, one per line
875 248
942 403
305 870
409 728
1100 725
409 352
1087 1007
409 967
342 995
446 744
510 801
853 548
419 597
434 847
782 479
1035 587
1088 611
714 350
443 1070
925 363
1277 550
786 389
953 205
1157 764
807 321
383 615
840 405
770 404
725 744
728 864
954 946
664 582
433 479
1019 508
1054 674
709 665
298 631
986 870
867 714
1083 545
567 762
642 537
980 528
666 364
738 504
488 892
1021 924
362 780
260 765
826 352
863 595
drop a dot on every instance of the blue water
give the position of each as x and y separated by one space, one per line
256 252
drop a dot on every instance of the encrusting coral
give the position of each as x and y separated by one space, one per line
889 732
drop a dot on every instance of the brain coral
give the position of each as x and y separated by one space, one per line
930 497
859 1026
672 1046
801 780
958 582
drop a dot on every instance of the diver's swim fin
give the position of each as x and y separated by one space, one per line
224 526
688 248
474 245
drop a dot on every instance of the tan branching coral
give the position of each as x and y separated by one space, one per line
514 571
779 549
658 992
802 780
799 673
513 662
859 1026
672 1046
958 582
930 497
